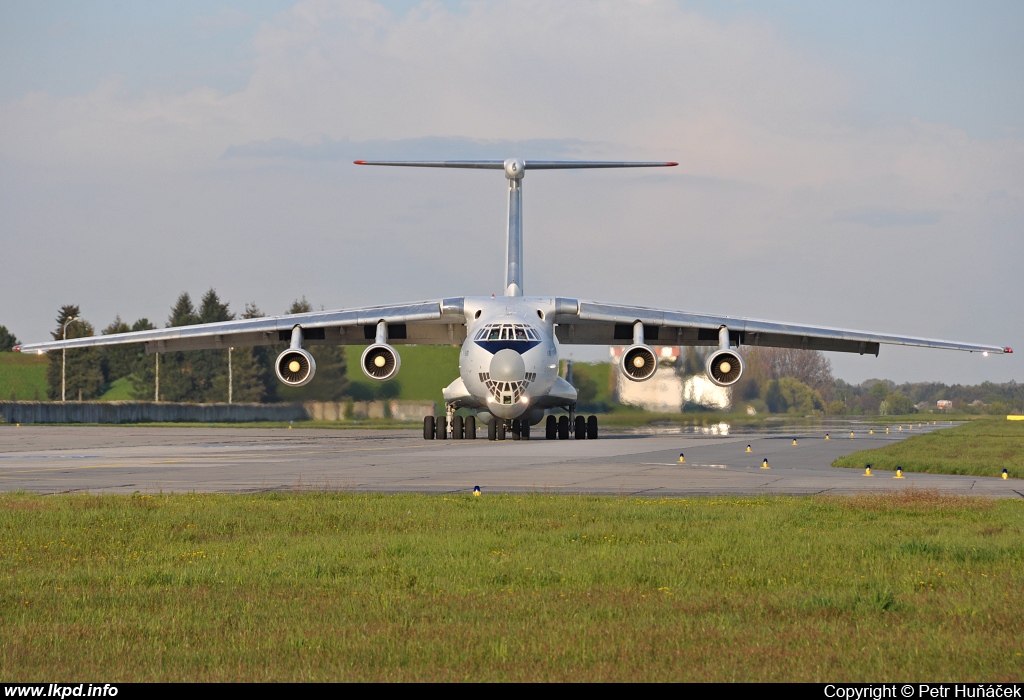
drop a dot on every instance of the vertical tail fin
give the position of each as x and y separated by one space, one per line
515 169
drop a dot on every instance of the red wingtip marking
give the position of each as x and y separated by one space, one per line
671 163
359 162
16 348
1009 351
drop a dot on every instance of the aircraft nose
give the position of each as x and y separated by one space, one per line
507 366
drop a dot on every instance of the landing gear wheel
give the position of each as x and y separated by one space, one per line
563 427
551 428
470 427
517 428
580 429
525 431
492 429
428 428
592 428
442 428
457 428
501 429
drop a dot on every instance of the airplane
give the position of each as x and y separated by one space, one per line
509 358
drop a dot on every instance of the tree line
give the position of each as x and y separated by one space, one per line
199 376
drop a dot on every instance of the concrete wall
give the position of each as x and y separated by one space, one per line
362 410
145 412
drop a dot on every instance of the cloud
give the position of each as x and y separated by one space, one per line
784 187
889 218
425 148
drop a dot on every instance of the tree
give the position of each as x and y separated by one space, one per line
789 395
83 368
263 360
810 367
210 367
118 360
896 404
330 382
7 340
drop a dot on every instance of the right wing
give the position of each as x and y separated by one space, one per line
598 323
437 322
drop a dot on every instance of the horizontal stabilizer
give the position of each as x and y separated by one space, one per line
527 164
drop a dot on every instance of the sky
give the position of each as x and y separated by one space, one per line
858 165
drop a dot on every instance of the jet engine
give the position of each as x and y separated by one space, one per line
724 367
639 363
380 362
295 367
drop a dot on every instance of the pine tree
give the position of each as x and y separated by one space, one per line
7 340
210 367
83 367
118 360
263 358
143 372
177 377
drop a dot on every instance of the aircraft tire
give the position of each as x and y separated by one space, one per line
501 429
551 428
457 425
592 428
492 429
580 429
517 428
563 427
524 432
442 428
470 427
428 428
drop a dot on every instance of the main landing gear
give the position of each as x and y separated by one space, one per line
459 428
582 428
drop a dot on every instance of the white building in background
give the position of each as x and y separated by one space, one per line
667 391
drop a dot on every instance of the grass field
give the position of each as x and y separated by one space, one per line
23 377
340 586
979 448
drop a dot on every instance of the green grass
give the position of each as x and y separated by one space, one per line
23 377
979 448
341 586
119 390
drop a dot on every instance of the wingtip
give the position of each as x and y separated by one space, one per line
1008 351
359 162
671 164
16 348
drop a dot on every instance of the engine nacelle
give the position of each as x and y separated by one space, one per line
724 367
639 363
295 367
380 362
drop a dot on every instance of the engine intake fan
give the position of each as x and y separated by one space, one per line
724 368
295 367
639 363
380 362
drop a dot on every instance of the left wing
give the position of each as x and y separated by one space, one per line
437 322
599 323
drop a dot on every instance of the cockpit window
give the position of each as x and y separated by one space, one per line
507 332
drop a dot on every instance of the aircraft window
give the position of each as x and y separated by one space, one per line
520 334
531 334
495 334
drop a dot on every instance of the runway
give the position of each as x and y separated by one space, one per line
118 459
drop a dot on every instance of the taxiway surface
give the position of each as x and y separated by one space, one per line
119 459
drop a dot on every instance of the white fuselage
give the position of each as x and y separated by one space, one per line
509 362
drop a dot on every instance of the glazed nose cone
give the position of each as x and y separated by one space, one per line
508 366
